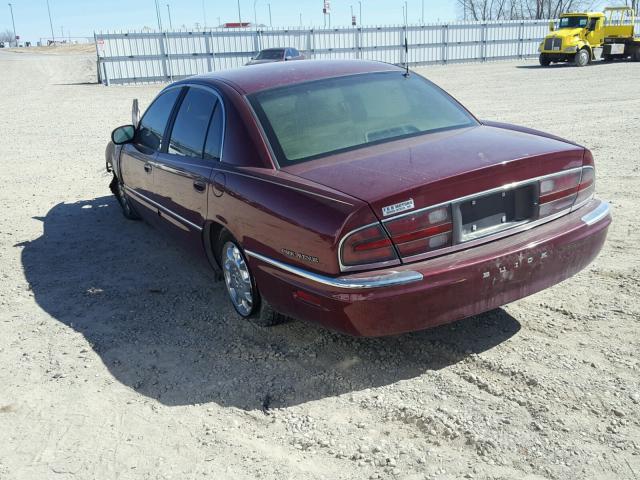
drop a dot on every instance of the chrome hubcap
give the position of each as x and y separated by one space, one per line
237 279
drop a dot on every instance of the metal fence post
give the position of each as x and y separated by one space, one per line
444 39
520 39
208 42
310 43
483 45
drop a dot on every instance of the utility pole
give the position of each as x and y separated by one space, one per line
351 14
270 21
360 13
169 13
300 19
159 16
204 15
53 36
422 18
15 37
239 14
255 14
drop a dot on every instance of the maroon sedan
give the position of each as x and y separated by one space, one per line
353 195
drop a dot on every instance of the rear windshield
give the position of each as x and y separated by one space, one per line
270 55
314 119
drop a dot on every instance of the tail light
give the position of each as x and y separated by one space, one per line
422 232
560 192
368 245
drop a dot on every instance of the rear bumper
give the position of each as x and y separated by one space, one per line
439 290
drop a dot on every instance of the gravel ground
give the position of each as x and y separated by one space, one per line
120 357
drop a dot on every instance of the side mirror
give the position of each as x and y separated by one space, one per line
122 135
135 113
552 26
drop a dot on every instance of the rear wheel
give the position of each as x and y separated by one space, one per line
241 286
544 59
582 58
635 56
117 188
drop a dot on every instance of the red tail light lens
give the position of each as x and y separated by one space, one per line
367 246
560 192
422 232
587 186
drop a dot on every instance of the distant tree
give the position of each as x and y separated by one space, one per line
521 9
633 4
6 36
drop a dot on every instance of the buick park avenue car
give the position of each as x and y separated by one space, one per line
351 194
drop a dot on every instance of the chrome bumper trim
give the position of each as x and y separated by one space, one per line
597 214
375 281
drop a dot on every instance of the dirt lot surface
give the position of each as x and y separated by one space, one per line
120 358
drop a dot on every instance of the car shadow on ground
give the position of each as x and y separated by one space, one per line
163 327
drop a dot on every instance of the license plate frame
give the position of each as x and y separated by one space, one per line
487 214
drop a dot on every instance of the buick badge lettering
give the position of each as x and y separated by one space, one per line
505 268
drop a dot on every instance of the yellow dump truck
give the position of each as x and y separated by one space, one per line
584 37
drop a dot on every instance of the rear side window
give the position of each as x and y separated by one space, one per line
154 121
213 147
192 122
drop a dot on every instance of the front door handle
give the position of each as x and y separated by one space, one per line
199 186
147 167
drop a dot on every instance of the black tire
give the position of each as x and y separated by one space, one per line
635 56
582 58
117 188
241 286
544 59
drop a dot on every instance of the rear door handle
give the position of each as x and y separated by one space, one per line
147 167
199 186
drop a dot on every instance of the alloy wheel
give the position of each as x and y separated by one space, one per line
237 279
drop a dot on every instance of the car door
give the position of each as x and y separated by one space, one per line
137 157
182 170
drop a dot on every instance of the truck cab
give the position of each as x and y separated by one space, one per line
583 37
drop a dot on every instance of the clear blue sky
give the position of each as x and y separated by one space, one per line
82 17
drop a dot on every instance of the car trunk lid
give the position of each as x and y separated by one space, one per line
430 169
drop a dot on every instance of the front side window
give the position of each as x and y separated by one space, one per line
314 119
192 122
573 22
153 123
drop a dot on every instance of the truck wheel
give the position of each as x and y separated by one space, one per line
117 188
545 61
635 56
582 58
241 286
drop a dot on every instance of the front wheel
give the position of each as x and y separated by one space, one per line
117 188
545 61
582 58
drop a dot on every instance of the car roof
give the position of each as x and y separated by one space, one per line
248 80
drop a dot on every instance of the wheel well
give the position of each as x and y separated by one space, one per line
211 234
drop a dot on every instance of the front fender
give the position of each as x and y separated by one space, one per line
112 158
